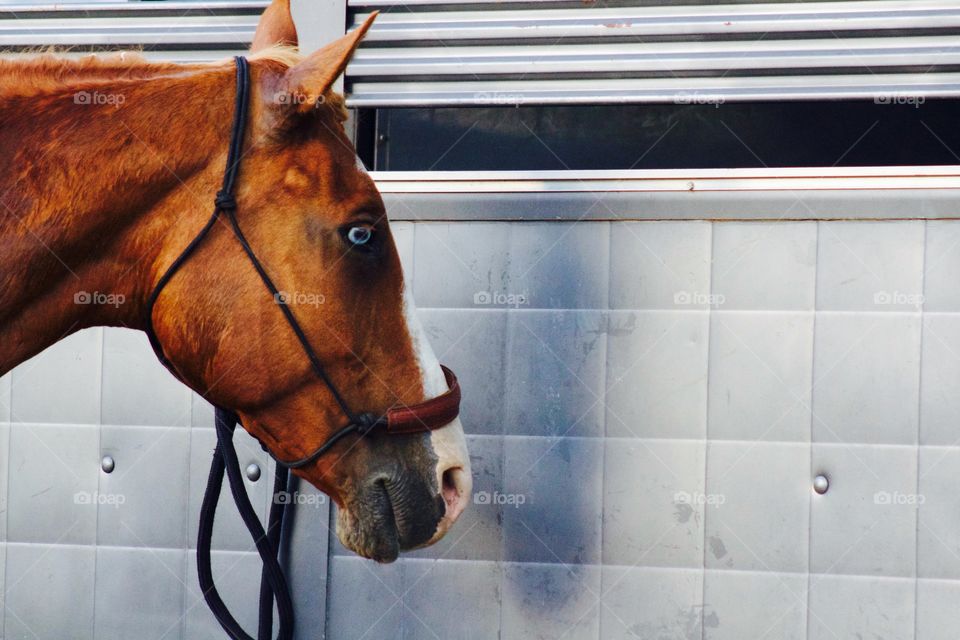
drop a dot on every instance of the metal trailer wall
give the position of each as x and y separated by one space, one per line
654 410
94 555
645 422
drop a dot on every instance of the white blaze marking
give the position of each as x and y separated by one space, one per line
448 443
434 383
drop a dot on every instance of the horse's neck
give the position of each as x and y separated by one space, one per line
96 179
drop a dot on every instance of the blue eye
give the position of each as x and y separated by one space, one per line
360 236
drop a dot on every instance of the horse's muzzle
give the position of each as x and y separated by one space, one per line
390 514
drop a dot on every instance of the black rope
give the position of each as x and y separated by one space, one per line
273 585
223 202
364 424
274 533
361 424
291 320
164 279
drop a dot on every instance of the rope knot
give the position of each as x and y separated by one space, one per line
367 422
225 201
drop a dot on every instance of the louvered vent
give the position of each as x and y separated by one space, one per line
470 52
168 30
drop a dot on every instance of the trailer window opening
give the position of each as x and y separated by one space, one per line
900 132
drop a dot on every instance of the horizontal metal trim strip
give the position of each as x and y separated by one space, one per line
607 38
127 25
693 21
103 42
773 204
881 87
764 173
665 6
922 52
494 4
130 9
880 71
113 32
667 180
589 186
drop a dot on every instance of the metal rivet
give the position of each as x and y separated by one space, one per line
107 464
253 472
821 484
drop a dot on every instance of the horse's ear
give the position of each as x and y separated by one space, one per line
275 27
310 79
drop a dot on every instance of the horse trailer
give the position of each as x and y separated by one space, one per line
696 266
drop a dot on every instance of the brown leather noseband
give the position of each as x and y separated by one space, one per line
441 410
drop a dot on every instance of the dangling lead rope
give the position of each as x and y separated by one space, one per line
273 584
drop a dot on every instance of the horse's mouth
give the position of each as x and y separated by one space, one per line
389 516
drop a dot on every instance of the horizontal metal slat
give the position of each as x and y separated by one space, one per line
667 57
197 31
549 52
685 181
712 90
673 21
114 32
129 9
500 4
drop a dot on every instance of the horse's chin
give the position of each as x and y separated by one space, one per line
380 521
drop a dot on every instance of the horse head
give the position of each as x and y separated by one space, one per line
316 221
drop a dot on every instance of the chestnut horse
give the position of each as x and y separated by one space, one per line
108 171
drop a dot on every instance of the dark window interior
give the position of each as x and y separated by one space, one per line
732 135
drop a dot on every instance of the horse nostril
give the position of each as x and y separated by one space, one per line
455 489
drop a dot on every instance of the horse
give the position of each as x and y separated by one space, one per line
108 172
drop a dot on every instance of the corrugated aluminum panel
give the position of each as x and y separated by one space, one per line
437 52
169 30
